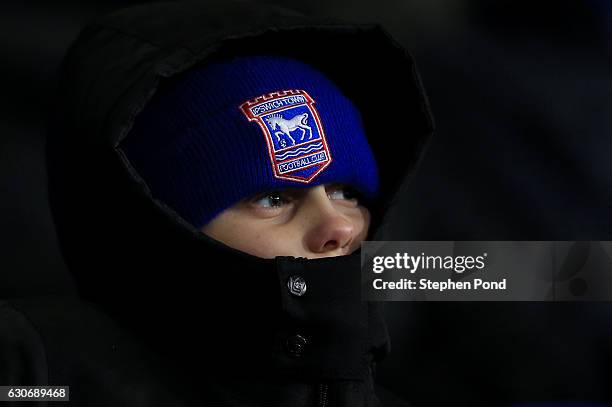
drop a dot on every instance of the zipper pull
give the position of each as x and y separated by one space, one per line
323 388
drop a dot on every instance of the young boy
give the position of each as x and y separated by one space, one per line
262 153
213 169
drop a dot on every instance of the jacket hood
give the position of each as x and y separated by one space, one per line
126 248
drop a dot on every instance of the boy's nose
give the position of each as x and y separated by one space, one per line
329 232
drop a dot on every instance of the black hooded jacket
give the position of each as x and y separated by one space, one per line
173 317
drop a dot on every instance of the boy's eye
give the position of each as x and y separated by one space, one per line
344 193
270 200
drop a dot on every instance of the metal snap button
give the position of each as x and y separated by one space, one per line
296 285
296 345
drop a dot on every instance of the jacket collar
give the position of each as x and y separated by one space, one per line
287 316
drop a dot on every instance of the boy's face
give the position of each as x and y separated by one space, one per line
322 221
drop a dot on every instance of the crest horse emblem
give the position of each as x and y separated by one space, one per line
293 131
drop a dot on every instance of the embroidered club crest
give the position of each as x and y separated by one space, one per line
294 134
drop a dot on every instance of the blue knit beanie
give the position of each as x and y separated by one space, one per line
227 130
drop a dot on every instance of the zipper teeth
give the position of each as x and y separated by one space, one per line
323 395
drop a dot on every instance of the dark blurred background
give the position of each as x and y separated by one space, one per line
522 96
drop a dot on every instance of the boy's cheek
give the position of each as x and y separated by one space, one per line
266 247
253 238
362 226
